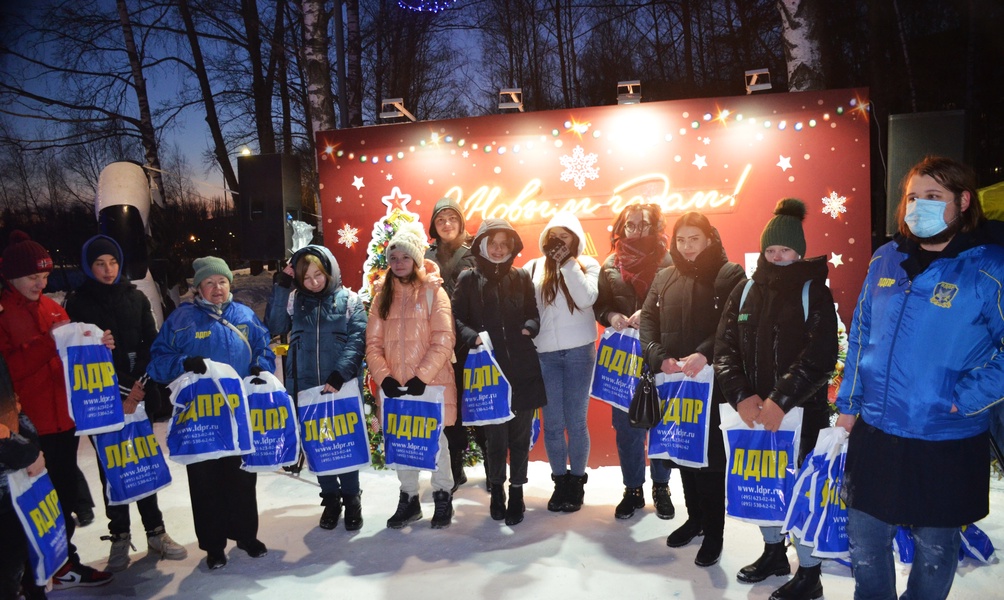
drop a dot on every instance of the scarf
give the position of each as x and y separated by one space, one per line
638 259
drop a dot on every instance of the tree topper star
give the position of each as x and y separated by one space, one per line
396 200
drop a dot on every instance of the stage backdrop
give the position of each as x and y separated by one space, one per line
732 158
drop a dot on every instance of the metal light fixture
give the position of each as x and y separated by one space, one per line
757 80
392 108
629 92
511 98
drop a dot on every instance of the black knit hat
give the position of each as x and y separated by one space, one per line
23 257
785 229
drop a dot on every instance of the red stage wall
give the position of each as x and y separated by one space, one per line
731 158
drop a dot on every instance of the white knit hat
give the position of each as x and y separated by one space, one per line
410 238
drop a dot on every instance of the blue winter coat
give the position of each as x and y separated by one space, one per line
917 346
327 330
191 331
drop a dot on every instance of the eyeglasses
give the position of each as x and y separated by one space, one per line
630 227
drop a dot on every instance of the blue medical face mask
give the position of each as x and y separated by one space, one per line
926 217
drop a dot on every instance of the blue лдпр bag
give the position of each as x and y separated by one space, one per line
274 427
210 418
333 429
487 394
92 387
685 405
132 460
37 507
411 429
618 367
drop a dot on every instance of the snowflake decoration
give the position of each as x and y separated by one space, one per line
347 236
578 167
833 205
338 199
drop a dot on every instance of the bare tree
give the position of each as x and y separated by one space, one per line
800 21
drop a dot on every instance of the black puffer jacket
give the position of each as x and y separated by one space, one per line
681 315
500 300
451 264
124 310
616 295
767 347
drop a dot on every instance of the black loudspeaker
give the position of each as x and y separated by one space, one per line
911 138
269 200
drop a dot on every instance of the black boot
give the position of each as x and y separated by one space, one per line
805 585
332 511
573 501
353 512
497 506
488 482
560 492
664 508
444 509
514 514
408 511
684 534
773 561
634 499
710 552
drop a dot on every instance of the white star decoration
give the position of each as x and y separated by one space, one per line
784 162
390 177
834 204
836 259
700 161
396 200
338 199
357 182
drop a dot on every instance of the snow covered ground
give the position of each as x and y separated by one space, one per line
587 554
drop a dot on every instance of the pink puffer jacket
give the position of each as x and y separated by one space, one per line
415 340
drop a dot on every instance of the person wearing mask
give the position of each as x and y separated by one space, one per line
451 251
925 364
639 253
773 354
26 343
326 324
114 304
409 344
213 326
566 286
496 299
678 326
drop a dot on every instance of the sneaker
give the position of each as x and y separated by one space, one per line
216 560
77 575
118 558
158 542
254 548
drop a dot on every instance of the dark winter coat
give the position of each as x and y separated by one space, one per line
451 265
124 310
616 295
327 330
18 451
681 315
500 300
768 348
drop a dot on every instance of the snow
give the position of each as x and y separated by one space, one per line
587 554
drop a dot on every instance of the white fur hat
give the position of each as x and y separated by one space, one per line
409 238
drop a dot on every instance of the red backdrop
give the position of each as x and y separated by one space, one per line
731 158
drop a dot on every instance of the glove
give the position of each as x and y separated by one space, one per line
556 250
416 387
195 364
283 280
255 371
335 380
391 388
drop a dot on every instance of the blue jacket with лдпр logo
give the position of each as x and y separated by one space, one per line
919 345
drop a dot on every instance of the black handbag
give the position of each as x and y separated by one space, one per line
644 411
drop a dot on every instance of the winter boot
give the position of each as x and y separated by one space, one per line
497 506
254 547
560 492
514 514
158 542
573 501
664 508
634 499
710 552
332 504
805 585
684 534
118 558
773 561
408 511
353 512
443 516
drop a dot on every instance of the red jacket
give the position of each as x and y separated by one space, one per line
33 360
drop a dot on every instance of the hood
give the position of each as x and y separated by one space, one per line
327 259
441 205
793 275
491 225
711 258
87 267
569 222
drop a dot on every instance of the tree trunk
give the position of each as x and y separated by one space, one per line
800 26
354 51
261 91
316 65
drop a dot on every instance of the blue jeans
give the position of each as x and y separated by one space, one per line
936 555
345 484
772 535
631 452
567 376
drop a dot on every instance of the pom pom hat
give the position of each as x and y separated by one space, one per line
785 229
23 257
409 238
